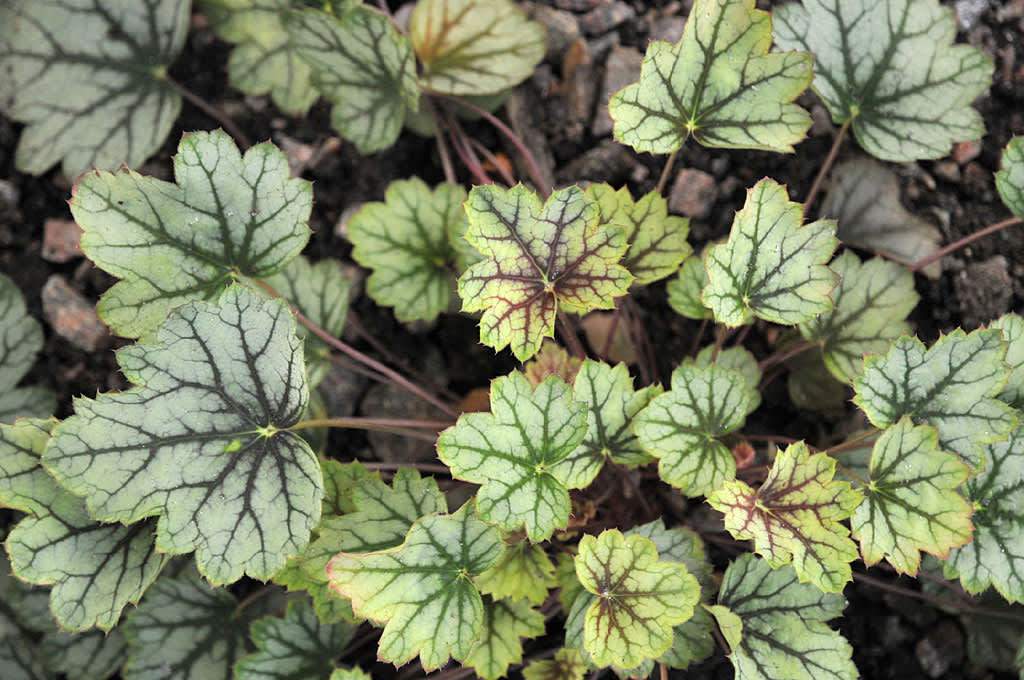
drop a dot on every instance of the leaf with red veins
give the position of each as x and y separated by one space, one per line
795 516
537 258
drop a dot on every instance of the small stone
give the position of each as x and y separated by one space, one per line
940 649
978 181
984 290
600 20
821 121
9 194
72 316
580 89
60 240
669 29
947 171
561 26
966 151
524 108
693 194
607 162
968 12
621 68
579 5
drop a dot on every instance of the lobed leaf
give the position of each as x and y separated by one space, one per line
423 589
499 646
1012 326
568 664
1010 178
771 267
736 359
88 79
795 516
524 571
950 386
201 441
718 84
890 69
518 454
551 360
90 655
539 258
684 290
21 338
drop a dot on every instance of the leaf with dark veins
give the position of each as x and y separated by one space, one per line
1010 178
20 339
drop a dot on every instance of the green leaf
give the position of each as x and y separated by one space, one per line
950 386
18 656
350 674
87 78
321 293
227 480
568 585
737 359
539 257
552 360
328 606
524 571
718 84
228 216
995 556
683 427
414 261
362 65
499 646
518 454
474 46
96 569
92 655
1012 327
891 70
1010 179
297 647
871 302
657 242
684 290
785 635
21 338
910 501
639 598
184 630
771 267
811 385
795 515
423 589
568 664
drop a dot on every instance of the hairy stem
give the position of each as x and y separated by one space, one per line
963 607
956 245
367 424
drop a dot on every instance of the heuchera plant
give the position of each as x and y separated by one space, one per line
216 450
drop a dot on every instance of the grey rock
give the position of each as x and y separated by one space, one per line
607 162
562 28
72 316
693 193
621 68
600 20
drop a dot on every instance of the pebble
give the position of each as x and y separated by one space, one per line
940 649
607 162
580 89
966 151
72 316
579 5
562 28
9 193
621 68
968 12
522 108
60 240
947 171
985 290
821 121
600 20
669 29
693 193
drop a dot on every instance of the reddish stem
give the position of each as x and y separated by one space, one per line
663 179
829 160
212 111
956 245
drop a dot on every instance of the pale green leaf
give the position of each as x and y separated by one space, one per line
228 216
226 480
796 515
96 569
639 598
474 46
683 427
21 338
1010 179
657 241
328 606
363 66
539 258
518 454
784 631
184 630
871 302
90 655
499 646
718 84
1012 327
910 501
685 289
408 243
423 589
737 359
568 664
524 571
87 78
350 674
552 360
890 69
568 585
297 647
950 386
771 267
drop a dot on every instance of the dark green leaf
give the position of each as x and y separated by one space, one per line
20 339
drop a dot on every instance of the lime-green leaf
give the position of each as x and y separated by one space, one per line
871 302
996 554
297 647
771 266
328 606
539 257
684 290
362 65
408 243
718 84
1010 179
350 674
568 585
505 622
423 589
657 242
87 77
90 655
229 215
518 454
738 359
184 630
1012 327
796 514
950 386
568 664
639 598
889 67
474 46
96 569
524 571
910 501
20 339
784 631
227 480
811 384
682 427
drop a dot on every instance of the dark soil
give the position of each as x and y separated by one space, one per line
892 636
